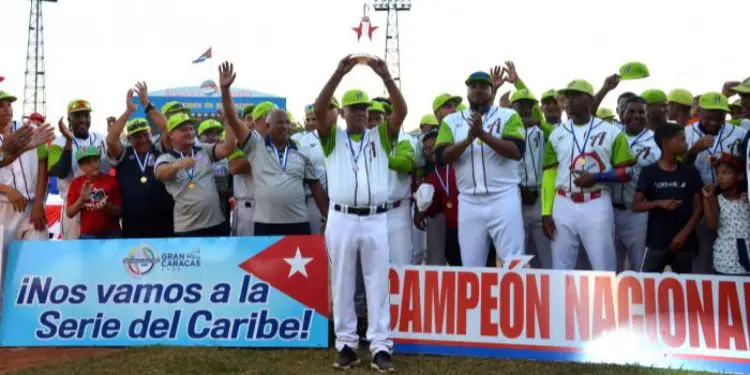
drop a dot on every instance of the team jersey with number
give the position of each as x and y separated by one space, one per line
530 167
647 152
357 166
480 170
728 140
593 148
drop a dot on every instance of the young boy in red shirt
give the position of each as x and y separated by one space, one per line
96 196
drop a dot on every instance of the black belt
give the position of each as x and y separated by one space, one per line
619 206
361 211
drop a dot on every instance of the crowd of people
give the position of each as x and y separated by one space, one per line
661 181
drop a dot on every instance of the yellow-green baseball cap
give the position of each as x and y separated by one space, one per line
633 70
355 97
522 94
429 120
578 85
87 152
261 110
248 110
737 104
549 94
714 101
290 116
170 108
4 96
744 87
136 125
376 107
335 103
680 96
443 98
310 108
461 107
209 124
654 96
479 77
177 120
605 114
79 105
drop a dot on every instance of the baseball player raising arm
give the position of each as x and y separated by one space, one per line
357 162
582 154
485 143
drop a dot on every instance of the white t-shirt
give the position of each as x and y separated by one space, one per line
22 173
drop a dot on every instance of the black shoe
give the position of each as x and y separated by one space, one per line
347 358
382 362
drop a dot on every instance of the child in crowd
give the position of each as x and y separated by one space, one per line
670 191
728 212
96 196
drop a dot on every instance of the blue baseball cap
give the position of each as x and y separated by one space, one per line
479 77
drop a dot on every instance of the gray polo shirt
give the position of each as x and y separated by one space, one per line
279 192
196 208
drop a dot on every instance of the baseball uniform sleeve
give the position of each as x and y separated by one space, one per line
621 153
385 139
445 135
547 129
548 190
550 156
311 174
519 85
514 127
328 143
404 159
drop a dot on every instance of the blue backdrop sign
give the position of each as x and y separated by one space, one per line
256 292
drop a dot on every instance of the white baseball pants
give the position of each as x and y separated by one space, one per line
418 239
483 217
537 244
589 223
630 238
399 235
346 235
242 218
314 215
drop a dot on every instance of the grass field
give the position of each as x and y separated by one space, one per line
148 361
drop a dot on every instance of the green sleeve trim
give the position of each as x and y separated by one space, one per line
385 138
519 85
328 143
41 152
514 127
236 154
404 159
445 135
735 122
621 154
550 156
54 153
548 190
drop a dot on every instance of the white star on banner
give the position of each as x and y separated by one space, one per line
298 264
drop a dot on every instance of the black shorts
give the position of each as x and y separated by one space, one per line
657 258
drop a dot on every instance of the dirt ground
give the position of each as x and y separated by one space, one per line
12 359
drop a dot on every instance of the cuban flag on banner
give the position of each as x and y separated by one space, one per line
205 56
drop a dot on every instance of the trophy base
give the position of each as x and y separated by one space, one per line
363 58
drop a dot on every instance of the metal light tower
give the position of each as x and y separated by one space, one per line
392 52
34 97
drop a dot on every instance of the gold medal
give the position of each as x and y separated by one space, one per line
191 185
144 179
581 163
449 205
